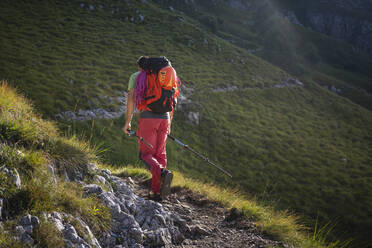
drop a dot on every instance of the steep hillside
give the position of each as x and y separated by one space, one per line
271 30
287 141
53 195
32 156
347 20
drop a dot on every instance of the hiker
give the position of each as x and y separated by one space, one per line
154 122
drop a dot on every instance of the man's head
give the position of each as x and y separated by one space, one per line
142 61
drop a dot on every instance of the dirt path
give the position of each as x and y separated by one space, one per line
206 223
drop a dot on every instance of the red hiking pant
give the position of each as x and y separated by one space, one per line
155 132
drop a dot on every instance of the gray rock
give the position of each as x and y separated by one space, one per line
67 178
181 223
69 115
130 181
93 240
50 170
25 220
26 238
193 118
1 207
159 237
70 233
136 234
19 230
35 222
106 173
352 29
92 189
141 18
99 179
59 116
57 223
29 229
92 167
13 173
108 240
200 230
291 16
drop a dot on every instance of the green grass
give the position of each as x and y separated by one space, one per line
285 146
38 194
29 144
280 225
302 148
296 49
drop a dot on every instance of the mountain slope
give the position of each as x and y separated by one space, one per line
52 194
264 28
289 142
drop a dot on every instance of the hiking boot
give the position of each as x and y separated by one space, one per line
166 180
155 197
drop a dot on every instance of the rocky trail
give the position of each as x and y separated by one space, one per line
184 219
205 223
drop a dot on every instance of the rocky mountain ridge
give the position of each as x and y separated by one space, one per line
346 20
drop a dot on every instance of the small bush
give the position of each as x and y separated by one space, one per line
49 236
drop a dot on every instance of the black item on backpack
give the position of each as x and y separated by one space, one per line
153 65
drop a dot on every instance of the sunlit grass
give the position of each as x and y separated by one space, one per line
281 225
29 145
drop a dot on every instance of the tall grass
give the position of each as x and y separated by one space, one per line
280 225
29 145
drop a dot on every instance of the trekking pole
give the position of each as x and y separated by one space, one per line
132 133
197 154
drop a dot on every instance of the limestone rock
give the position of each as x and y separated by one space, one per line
53 178
13 173
92 189
1 207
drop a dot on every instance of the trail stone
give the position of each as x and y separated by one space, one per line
19 230
70 233
193 118
160 237
13 173
67 178
92 167
28 229
25 220
106 173
141 18
1 207
99 179
50 169
26 238
200 230
136 233
92 189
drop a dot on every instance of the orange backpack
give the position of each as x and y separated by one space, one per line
161 91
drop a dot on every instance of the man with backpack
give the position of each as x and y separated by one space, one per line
153 90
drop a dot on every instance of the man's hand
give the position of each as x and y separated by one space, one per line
126 127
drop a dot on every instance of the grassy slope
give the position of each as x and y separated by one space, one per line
298 50
281 144
29 144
